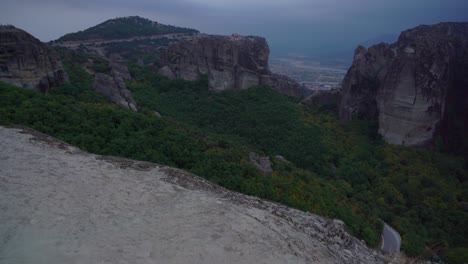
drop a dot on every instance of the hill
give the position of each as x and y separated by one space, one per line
126 27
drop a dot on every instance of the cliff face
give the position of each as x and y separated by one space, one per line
62 205
113 85
27 62
324 99
362 82
230 62
413 87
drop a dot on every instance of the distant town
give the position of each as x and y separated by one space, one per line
311 73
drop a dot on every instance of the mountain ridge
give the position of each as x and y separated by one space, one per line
125 27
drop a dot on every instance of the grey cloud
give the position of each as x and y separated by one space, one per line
305 26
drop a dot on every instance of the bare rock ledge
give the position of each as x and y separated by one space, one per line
62 205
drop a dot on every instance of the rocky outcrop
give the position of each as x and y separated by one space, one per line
27 62
230 62
283 84
323 98
263 164
414 87
362 82
113 85
166 71
62 205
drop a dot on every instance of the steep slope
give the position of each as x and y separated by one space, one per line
125 27
230 62
335 169
26 62
64 205
417 87
113 86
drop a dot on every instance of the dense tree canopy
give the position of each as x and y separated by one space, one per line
336 169
125 27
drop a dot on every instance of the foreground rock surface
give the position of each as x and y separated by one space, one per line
27 62
417 88
230 62
62 205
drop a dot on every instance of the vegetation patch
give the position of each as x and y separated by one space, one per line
332 168
125 27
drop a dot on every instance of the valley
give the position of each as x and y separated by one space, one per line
319 139
309 72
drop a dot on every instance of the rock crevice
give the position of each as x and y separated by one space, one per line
113 85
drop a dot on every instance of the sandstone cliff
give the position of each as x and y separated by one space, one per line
113 85
230 62
62 205
27 62
417 88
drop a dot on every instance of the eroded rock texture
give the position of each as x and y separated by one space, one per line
230 62
27 62
417 88
263 164
113 85
62 205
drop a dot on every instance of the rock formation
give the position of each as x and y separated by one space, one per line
62 205
327 99
230 62
284 85
417 88
27 62
113 85
263 164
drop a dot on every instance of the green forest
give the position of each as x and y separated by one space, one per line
125 27
333 168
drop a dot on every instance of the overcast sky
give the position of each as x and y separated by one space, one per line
298 26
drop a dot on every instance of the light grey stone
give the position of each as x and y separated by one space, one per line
113 85
230 62
63 205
